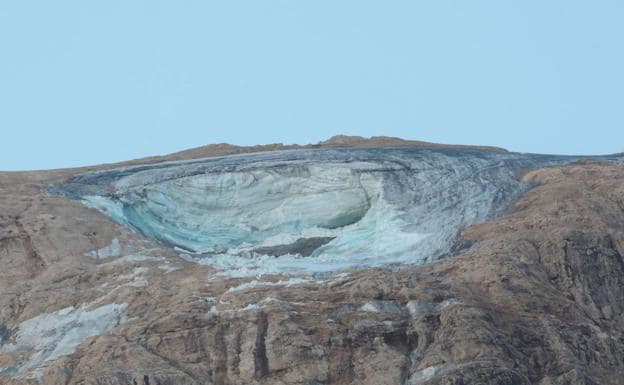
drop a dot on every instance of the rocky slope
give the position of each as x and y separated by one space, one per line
533 295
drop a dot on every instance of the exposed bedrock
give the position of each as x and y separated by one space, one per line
534 292
537 301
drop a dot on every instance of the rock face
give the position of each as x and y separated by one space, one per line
525 287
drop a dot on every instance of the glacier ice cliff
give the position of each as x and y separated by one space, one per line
311 211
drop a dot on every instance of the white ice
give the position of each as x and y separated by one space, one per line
112 250
372 207
57 334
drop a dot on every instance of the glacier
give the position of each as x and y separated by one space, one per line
312 211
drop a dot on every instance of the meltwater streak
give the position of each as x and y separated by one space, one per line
312 211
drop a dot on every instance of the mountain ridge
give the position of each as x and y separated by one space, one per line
534 295
224 149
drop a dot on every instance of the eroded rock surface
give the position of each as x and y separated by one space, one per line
537 299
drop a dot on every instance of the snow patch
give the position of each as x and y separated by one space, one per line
417 307
168 268
287 283
388 307
136 278
133 258
268 301
422 376
57 334
112 250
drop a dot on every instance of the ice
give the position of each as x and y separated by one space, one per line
417 308
134 258
57 334
287 283
423 376
168 268
135 279
112 250
217 212
312 211
378 306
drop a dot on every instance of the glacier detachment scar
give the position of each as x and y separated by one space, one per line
311 211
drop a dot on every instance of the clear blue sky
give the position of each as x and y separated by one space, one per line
84 82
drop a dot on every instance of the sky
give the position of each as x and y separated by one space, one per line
88 82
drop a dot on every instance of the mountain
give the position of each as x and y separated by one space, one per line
353 261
